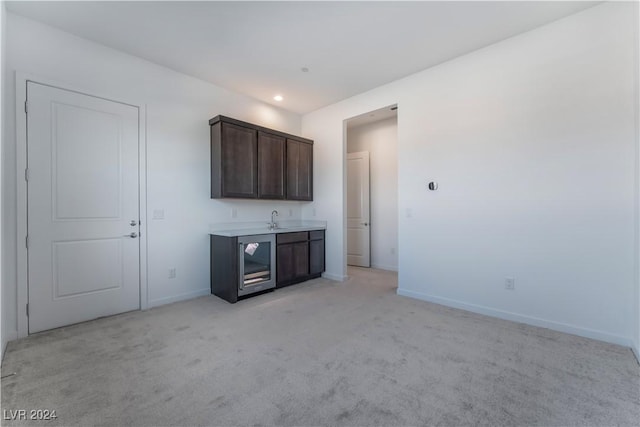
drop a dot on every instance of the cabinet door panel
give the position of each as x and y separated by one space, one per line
301 259
316 256
299 170
271 152
284 263
305 172
239 161
293 153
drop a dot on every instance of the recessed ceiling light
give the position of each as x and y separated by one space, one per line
278 98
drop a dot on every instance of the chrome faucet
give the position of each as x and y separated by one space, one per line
272 225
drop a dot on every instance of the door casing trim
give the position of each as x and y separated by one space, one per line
22 269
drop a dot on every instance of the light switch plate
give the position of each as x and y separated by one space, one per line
158 214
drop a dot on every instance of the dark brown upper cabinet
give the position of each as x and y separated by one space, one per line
271 152
234 161
250 161
299 170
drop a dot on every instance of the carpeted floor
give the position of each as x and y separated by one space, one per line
319 353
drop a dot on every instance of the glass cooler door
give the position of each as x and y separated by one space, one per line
257 263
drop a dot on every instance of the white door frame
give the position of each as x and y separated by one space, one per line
21 190
344 185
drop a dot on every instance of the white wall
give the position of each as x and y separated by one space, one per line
380 139
178 170
3 337
636 335
533 143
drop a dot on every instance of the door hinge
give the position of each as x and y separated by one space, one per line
27 310
26 174
26 108
26 241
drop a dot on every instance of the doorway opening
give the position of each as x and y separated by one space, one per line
371 225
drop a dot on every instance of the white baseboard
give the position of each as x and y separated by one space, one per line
515 317
180 297
9 336
335 277
385 267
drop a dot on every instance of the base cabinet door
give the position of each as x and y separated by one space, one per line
292 261
316 256
301 259
285 263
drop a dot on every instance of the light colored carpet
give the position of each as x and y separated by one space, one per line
320 353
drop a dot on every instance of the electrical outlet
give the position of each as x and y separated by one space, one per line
510 283
234 213
409 213
172 273
290 212
313 212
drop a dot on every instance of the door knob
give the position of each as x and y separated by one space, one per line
133 223
132 235
365 223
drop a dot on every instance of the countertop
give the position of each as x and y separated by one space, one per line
250 228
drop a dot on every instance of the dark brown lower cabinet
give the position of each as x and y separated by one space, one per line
298 258
292 261
224 267
316 252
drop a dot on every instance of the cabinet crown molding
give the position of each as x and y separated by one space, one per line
226 119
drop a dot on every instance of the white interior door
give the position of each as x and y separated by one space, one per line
83 207
358 234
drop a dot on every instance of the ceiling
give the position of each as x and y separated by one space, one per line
259 48
373 116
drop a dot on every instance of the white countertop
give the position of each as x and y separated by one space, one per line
235 229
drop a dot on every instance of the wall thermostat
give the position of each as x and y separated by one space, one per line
433 186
